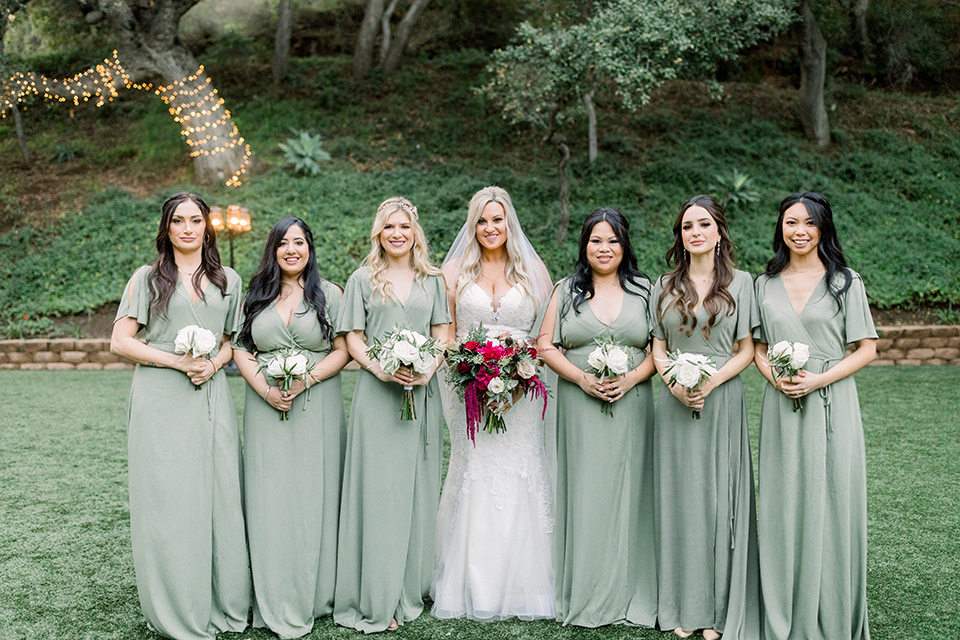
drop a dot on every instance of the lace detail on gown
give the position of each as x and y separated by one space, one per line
496 520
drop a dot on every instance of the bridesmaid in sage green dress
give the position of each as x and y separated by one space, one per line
391 486
706 513
813 487
186 512
292 468
606 570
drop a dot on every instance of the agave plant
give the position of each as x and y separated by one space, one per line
304 152
735 188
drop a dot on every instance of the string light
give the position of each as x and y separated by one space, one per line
197 108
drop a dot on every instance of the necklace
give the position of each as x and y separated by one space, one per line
819 268
187 273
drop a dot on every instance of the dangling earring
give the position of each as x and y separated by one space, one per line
718 248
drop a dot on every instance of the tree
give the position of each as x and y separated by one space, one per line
376 21
7 8
627 48
281 43
813 73
150 49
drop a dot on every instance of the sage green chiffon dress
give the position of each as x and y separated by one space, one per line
391 485
292 475
606 570
184 468
813 487
706 511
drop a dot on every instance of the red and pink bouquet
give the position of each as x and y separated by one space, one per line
489 372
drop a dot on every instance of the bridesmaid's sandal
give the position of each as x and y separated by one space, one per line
393 625
710 634
683 634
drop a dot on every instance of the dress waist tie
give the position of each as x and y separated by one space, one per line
824 392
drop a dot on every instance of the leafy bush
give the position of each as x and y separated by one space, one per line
304 152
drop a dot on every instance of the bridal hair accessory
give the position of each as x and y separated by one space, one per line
398 202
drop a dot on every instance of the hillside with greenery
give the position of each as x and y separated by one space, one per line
79 220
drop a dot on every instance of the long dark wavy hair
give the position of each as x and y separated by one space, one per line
265 283
631 279
828 250
163 276
679 286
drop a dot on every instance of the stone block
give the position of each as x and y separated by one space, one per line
6 346
45 356
73 357
61 344
907 362
945 331
894 354
907 343
882 363
8 366
933 343
18 357
934 361
884 343
947 353
889 332
93 345
32 346
4 358
953 342
955 363
920 354
104 357
33 366
116 366
89 366
60 366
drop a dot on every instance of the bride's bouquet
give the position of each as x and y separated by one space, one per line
608 360
285 367
196 341
690 370
786 360
486 370
401 346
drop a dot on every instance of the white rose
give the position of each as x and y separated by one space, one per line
494 342
184 338
423 365
780 349
496 385
595 359
801 353
275 367
389 364
204 342
405 352
419 339
618 361
297 363
709 369
526 370
687 375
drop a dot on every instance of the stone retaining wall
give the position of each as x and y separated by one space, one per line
897 345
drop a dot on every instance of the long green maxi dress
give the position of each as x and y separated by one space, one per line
391 485
606 570
813 486
706 511
186 511
292 475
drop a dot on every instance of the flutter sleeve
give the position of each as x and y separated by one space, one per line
352 315
135 302
858 323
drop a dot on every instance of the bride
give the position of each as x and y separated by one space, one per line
495 525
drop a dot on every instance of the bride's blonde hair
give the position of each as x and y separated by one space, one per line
471 267
419 253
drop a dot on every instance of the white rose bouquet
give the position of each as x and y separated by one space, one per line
786 361
403 347
195 341
690 370
608 360
285 367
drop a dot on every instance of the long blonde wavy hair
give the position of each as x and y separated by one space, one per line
419 254
471 266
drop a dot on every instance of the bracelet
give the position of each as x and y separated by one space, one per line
266 393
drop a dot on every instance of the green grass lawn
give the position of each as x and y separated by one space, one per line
66 569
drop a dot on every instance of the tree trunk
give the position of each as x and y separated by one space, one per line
860 25
560 141
591 124
385 30
404 31
21 138
363 50
281 45
813 69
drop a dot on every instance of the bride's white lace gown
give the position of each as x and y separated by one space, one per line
495 525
